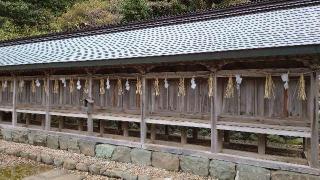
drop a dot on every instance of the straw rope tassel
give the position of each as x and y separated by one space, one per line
119 84
71 86
269 87
11 86
229 89
139 86
45 87
86 87
156 87
56 87
102 89
210 86
181 88
302 89
33 86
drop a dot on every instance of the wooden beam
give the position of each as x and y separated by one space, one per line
47 116
143 107
14 102
175 122
184 135
261 143
89 119
314 116
262 72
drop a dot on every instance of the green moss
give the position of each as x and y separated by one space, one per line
20 171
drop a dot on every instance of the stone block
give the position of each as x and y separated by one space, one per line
2 149
104 150
73 145
47 159
246 172
195 165
7 134
24 154
69 164
87 147
37 138
53 141
222 170
165 161
33 156
121 154
280 175
141 157
128 176
63 142
144 177
13 152
20 136
82 167
113 173
94 169
58 162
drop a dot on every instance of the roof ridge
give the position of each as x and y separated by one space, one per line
235 10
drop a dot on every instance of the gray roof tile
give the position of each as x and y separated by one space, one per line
290 27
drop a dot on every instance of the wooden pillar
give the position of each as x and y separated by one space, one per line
119 128
153 132
314 117
125 128
14 102
143 107
61 120
28 117
194 133
166 132
90 120
101 127
184 135
48 117
214 112
1 116
261 143
80 125
226 136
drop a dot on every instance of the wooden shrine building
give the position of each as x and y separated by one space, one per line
252 68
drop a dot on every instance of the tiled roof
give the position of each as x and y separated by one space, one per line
279 28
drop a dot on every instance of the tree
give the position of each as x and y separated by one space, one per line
85 14
135 10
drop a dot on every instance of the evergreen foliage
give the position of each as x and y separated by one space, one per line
20 18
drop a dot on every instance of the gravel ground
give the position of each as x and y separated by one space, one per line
6 160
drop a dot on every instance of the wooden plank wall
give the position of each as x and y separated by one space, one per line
195 103
253 103
6 94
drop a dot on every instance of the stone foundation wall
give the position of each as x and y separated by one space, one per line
197 165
